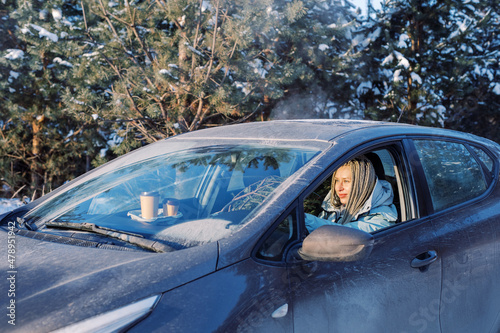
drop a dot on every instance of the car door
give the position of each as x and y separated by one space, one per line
465 209
395 289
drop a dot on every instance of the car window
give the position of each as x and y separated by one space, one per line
274 246
214 188
453 175
484 157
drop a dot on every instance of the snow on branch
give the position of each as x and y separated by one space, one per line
42 32
14 54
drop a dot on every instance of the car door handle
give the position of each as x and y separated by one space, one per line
424 259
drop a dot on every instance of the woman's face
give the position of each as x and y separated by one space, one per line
343 183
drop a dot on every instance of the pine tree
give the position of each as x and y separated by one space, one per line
398 50
181 65
42 145
317 45
424 59
474 105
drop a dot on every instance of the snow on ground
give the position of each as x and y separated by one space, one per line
6 205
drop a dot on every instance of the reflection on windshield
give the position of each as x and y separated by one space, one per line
191 197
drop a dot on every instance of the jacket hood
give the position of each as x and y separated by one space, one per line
382 195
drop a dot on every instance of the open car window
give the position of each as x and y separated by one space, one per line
388 204
216 188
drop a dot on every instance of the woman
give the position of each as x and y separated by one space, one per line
359 199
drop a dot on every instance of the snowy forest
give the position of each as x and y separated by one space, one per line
84 81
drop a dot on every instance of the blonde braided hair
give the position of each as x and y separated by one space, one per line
363 182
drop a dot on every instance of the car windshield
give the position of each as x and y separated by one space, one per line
195 196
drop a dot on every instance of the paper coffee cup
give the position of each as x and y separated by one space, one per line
149 205
171 207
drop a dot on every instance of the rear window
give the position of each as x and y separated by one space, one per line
452 173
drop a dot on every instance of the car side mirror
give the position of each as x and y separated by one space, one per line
336 243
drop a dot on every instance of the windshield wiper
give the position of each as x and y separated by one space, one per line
128 237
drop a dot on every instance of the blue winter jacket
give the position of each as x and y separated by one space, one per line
378 211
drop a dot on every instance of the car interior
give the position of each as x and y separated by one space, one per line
380 170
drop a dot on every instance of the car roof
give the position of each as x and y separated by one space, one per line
323 130
285 130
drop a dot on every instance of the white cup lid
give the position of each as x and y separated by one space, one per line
150 194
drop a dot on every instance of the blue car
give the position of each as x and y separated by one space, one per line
208 232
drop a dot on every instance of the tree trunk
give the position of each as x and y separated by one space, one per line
416 36
36 125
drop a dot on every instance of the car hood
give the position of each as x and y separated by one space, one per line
56 284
